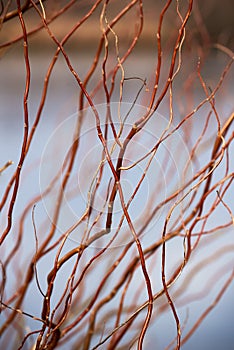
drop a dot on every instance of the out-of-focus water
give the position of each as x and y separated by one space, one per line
217 331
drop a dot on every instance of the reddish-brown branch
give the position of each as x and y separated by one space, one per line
26 126
76 307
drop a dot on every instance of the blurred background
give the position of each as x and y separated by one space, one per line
211 23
